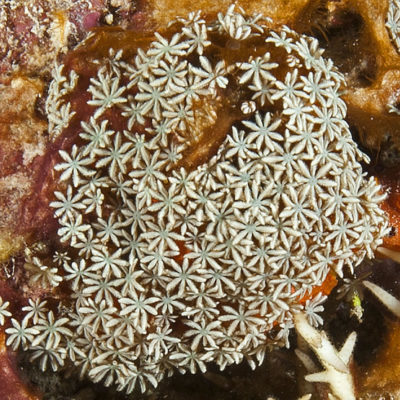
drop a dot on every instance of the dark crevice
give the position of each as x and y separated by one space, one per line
389 152
357 137
344 37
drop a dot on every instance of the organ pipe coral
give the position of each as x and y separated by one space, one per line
208 183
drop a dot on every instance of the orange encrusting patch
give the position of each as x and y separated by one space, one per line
183 250
325 288
391 205
392 208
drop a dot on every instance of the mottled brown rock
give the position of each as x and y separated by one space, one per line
383 375
24 161
356 38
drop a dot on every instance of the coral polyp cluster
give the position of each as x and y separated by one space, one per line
208 184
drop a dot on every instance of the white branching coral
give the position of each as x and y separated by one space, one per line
385 297
337 372
209 190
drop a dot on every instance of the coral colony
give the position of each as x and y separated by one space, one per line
209 186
